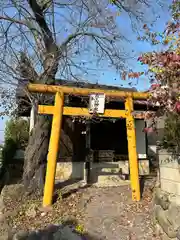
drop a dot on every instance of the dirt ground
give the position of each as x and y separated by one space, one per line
105 213
111 214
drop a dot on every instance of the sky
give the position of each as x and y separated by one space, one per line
110 77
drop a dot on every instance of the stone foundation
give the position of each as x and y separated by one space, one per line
167 197
169 165
102 173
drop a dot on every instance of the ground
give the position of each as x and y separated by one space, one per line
104 213
111 215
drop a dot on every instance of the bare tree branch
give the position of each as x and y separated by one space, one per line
52 57
12 20
40 19
73 39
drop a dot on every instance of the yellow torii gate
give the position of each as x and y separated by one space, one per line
58 110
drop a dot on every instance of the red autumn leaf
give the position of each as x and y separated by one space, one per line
177 107
167 62
154 86
134 74
148 130
123 76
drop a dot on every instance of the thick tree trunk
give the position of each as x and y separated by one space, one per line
37 150
36 155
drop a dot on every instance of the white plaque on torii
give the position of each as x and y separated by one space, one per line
97 103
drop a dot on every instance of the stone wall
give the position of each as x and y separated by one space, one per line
167 196
166 215
169 166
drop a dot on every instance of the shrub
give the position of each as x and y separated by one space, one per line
171 139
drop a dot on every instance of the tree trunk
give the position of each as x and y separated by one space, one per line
37 150
36 155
